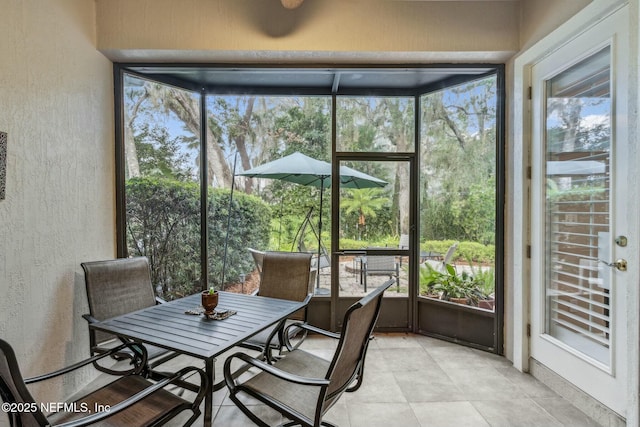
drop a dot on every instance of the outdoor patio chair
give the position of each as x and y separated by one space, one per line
404 241
380 265
303 386
285 275
448 257
323 262
130 400
403 244
116 287
258 256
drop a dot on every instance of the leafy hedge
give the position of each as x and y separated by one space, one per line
249 225
163 224
467 251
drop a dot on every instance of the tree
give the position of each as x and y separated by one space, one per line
401 133
186 106
231 122
366 202
459 160
159 154
381 124
135 96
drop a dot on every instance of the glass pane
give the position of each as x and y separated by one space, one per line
374 214
361 273
370 124
578 142
271 210
162 187
457 193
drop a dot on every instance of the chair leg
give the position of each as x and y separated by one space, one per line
397 278
295 423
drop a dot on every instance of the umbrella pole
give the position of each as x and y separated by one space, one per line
319 235
280 222
226 237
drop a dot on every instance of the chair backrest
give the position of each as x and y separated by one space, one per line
357 326
380 263
377 263
14 390
324 261
116 287
258 257
449 255
404 241
286 275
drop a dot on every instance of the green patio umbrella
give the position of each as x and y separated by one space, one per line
304 170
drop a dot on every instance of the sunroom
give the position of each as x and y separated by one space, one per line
521 113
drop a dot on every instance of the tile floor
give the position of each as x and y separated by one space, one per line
416 381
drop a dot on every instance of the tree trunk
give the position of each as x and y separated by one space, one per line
130 151
241 144
188 110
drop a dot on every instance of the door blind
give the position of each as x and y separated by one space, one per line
577 205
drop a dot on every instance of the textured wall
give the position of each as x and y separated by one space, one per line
541 17
210 29
56 105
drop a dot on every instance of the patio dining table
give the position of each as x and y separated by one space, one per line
169 326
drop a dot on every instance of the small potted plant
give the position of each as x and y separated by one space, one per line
209 300
455 288
484 280
450 286
428 277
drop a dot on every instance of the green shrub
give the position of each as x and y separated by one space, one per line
449 283
479 284
466 251
249 227
473 251
163 223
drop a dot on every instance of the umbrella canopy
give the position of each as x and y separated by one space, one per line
304 170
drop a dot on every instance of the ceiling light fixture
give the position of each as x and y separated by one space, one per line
291 4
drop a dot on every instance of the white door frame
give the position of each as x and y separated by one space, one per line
518 267
603 376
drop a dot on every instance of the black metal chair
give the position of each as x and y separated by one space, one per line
258 257
302 386
130 400
380 265
285 275
115 287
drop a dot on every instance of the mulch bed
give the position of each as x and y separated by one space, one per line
251 283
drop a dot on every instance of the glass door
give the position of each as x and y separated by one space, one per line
579 221
373 219
375 222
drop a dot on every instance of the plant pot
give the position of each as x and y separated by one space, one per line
209 301
487 304
462 301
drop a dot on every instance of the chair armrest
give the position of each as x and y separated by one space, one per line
138 350
314 329
271 369
92 419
